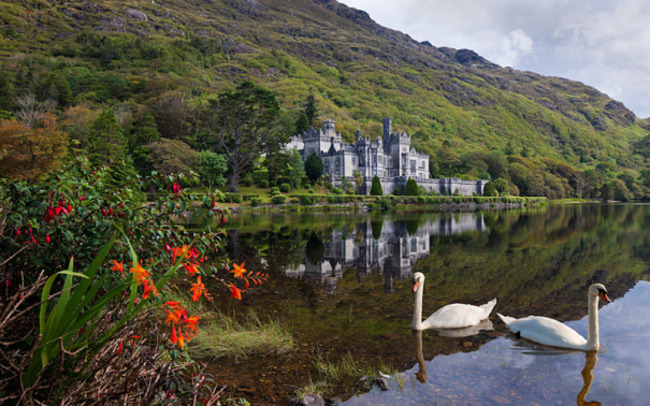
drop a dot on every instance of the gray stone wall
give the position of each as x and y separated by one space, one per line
443 186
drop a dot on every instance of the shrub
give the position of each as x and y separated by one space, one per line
233 197
255 201
275 191
264 183
376 187
411 188
285 188
278 199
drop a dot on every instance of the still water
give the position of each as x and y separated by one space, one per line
342 284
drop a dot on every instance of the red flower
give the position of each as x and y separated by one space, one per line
236 293
176 188
47 238
119 350
197 289
49 214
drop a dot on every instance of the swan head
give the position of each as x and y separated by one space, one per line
598 289
418 278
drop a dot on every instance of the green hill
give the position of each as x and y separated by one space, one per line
552 135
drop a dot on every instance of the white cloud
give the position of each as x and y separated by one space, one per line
601 43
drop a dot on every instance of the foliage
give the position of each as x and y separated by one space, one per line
211 167
313 167
376 187
310 110
411 188
30 152
490 189
245 124
171 156
106 140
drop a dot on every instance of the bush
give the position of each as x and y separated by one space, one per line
255 201
249 196
233 197
337 191
285 188
278 199
275 191
264 183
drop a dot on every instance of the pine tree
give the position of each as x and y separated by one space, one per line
313 167
411 188
311 111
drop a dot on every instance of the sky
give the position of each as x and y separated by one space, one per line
601 43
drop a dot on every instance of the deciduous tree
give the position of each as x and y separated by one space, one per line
29 152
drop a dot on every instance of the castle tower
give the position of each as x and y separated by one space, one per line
329 128
388 127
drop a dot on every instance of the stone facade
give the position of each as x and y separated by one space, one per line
391 158
391 248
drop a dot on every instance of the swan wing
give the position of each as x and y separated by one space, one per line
544 330
456 315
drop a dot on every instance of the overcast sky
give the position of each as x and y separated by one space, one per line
602 43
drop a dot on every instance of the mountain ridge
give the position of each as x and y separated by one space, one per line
358 70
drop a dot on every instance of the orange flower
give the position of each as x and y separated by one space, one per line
174 338
178 252
236 293
149 287
191 268
191 322
118 266
139 273
119 350
197 289
239 270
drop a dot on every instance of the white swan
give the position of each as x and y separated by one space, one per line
544 330
454 315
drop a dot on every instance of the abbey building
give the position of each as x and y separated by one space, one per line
390 157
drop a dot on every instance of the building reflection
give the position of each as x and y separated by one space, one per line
387 246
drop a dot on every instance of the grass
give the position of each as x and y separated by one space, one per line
220 336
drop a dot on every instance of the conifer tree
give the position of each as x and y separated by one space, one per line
376 187
107 142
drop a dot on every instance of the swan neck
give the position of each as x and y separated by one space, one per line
417 311
593 342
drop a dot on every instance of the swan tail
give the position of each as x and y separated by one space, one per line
489 306
506 319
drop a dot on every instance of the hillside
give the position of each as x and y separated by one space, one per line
458 105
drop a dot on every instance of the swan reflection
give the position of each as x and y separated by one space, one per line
421 375
591 358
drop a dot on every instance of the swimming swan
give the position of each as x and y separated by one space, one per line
544 330
454 315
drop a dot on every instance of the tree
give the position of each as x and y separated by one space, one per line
172 113
376 187
27 153
411 188
171 156
246 124
211 167
106 140
302 124
501 185
358 180
145 132
310 111
313 167
490 189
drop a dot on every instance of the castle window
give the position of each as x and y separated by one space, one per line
354 161
413 163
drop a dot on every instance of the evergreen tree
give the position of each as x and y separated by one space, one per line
311 111
107 142
376 187
313 167
246 126
411 188
302 124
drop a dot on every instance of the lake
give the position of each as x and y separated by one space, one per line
342 283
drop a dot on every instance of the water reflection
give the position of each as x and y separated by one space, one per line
508 371
538 262
388 246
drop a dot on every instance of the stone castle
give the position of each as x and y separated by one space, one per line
391 158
